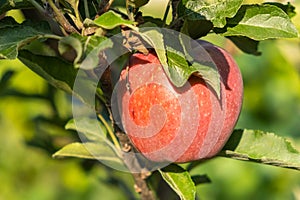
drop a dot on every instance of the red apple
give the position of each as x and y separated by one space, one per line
170 124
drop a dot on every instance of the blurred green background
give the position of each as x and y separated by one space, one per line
33 115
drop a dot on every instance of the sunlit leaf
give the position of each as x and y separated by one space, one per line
288 8
215 11
89 150
91 128
260 22
111 20
180 181
262 147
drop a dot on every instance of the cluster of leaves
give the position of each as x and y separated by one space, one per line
56 44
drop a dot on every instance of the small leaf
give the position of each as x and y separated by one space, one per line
215 11
68 43
259 22
94 45
261 147
89 150
13 35
111 20
247 45
180 181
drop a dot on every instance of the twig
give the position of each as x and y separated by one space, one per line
129 11
131 162
104 6
177 22
61 18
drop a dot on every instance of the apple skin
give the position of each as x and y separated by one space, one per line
170 124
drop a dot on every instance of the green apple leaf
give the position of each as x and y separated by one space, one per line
180 70
215 11
13 36
259 22
261 147
180 181
6 5
154 37
111 20
245 44
92 129
289 9
90 150
174 54
66 44
82 45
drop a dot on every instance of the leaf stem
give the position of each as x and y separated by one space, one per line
37 6
56 37
86 9
110 131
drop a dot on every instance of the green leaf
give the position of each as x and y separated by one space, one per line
203 65
259 22
175 55
261 147
91 128
289 9
13 35
215 11
68 43
180 181
111 20
56 71
6 5
247 45
89 150
83 45
155 38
